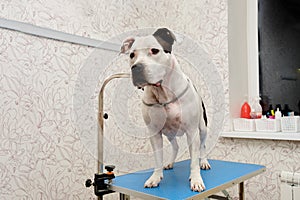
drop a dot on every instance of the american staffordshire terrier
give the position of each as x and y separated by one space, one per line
171 104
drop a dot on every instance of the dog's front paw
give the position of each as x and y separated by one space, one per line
204 164
197 184
153 181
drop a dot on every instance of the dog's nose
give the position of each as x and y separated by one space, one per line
138 76
137 69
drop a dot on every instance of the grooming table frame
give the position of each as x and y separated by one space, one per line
175 184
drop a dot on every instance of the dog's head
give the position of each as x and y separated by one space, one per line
150 57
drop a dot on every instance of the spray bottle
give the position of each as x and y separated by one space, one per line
256 109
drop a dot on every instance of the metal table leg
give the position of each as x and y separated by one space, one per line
241 191
226 196
124 197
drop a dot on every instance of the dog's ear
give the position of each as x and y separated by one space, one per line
127 44
165 38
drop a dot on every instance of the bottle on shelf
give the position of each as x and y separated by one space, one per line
278 114
256 109
245 110
286 110
270 113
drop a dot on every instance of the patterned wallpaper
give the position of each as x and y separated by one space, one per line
41 157
42 153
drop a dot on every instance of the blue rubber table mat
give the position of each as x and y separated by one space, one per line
175 184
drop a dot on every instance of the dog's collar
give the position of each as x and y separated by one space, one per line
167 103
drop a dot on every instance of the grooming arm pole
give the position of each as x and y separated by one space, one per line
100 118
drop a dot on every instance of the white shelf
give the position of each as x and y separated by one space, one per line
262 135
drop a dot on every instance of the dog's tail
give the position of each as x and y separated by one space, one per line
204 114
203 107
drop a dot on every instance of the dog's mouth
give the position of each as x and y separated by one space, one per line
158 84
142 85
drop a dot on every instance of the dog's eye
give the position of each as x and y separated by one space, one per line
132 55
154 51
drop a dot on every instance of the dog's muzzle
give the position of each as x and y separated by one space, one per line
138 76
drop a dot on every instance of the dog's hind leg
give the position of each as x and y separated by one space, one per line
196 181
175 148
204 164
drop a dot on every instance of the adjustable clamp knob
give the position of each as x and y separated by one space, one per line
109 168
105 116
88 183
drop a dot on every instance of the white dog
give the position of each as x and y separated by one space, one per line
171 105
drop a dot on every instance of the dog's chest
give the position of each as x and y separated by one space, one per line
173 123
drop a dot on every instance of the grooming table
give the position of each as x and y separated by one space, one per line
175 184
